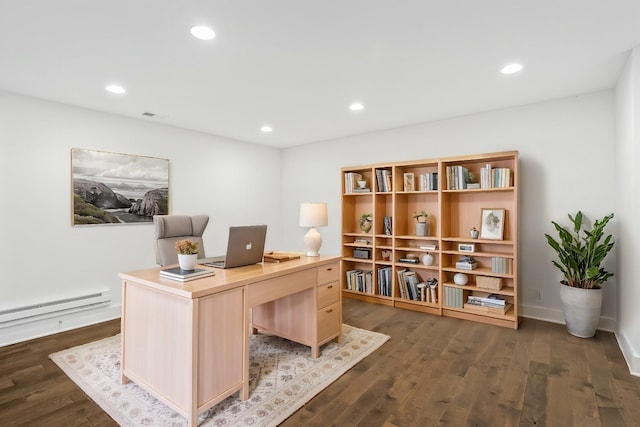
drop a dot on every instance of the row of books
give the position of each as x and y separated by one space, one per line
453 297
428 181
383 178
351 183
384 281
501 265
360 280
408 284
495 177
457 177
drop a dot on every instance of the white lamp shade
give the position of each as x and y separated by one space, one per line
313 215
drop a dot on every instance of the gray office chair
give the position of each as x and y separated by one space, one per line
171 228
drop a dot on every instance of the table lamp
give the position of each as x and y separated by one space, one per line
313 215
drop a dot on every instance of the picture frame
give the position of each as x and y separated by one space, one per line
492 223
466 247
115 188
409 181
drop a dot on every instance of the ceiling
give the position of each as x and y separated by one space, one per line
297 65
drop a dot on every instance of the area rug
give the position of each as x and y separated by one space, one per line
283 377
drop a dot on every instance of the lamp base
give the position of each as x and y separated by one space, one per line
312 242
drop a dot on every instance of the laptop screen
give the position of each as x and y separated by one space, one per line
245 245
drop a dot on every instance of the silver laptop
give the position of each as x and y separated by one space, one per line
244 247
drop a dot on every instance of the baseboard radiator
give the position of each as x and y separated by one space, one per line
30 313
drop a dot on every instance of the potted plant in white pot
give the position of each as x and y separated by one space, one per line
187 254
581 252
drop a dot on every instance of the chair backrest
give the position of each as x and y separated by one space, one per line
171 228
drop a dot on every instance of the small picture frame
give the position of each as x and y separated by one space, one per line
409 182
492 223
466 247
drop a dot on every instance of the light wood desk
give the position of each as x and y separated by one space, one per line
188 343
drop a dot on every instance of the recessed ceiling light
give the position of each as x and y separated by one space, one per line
356 106
115 89
511 68
266 129
203 33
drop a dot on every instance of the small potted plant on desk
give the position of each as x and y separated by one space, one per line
580 252
187 254
422 226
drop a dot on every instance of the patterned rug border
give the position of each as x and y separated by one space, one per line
278 416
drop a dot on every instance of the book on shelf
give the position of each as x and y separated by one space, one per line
361 190
388 225
409 260
473 186
350 181
280 256
489 301
176 273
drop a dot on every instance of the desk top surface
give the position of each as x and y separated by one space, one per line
224 279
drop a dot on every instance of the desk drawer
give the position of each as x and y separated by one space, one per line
328 273
328 321
328 294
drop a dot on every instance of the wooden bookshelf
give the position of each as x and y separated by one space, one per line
398 191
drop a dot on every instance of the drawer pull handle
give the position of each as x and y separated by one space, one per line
329 269
330 286
330 310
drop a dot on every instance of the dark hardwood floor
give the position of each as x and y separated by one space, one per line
434 371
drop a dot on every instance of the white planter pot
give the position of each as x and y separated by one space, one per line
187 262
581 309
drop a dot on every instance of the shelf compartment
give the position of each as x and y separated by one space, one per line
506 291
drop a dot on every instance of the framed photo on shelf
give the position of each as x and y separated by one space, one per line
492 224
466 247
409 182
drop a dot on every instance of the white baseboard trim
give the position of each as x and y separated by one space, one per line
555 316
630 355
52 325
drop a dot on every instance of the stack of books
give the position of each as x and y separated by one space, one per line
492 303
181 275
383 177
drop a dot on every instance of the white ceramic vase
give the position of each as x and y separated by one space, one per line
581 309
460 279
187 262
427 259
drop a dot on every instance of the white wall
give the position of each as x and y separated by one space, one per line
44 258
628 181
567 163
